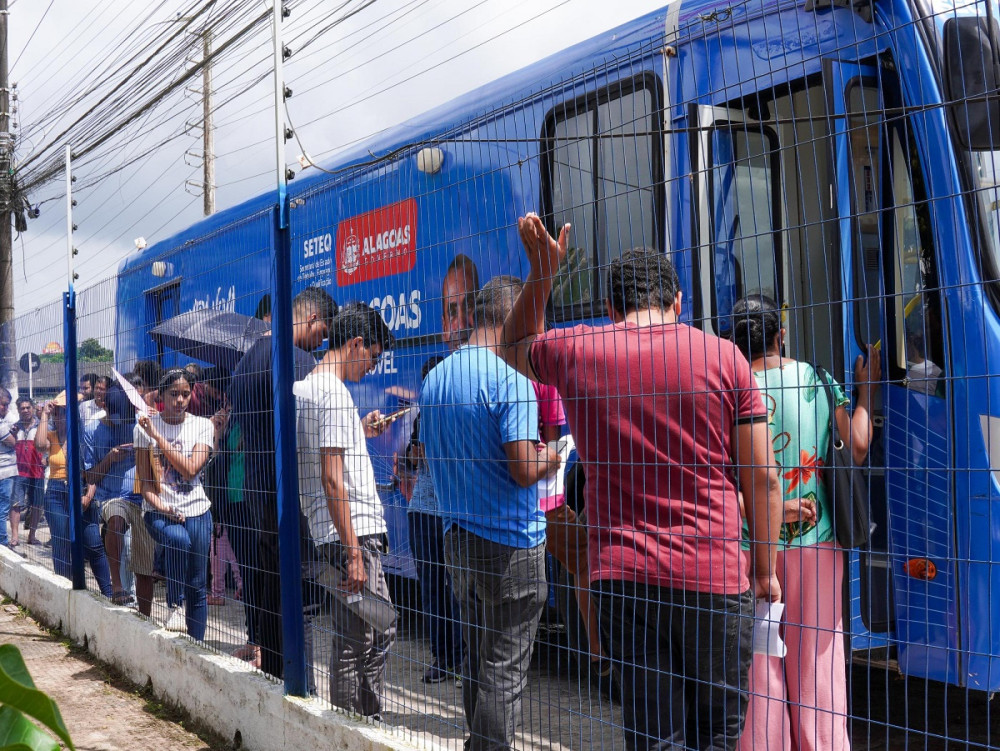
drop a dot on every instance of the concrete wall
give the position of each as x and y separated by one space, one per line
221 692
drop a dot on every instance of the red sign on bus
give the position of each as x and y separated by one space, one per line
377 243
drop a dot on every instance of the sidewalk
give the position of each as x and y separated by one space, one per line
100 715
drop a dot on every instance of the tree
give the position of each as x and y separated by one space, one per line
90 350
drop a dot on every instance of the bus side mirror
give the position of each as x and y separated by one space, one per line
971 80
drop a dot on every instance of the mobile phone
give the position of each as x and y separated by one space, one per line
390 419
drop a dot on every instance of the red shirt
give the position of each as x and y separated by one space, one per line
652 409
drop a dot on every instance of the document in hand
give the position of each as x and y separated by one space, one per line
554 484
132 393
766 636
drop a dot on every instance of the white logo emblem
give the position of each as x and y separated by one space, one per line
352 255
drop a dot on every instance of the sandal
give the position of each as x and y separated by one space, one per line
249 653
121 598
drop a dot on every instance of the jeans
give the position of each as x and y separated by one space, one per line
57 512
684 659
93 548
186 546
6 489
501 592
27 493
436 596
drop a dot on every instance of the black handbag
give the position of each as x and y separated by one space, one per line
845 483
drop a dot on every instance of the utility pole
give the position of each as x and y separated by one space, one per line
208 161
8 375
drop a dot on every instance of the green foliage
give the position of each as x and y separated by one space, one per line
90 350
19 700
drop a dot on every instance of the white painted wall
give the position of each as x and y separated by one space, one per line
219 691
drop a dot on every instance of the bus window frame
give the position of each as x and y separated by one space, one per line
895 325
592 100
873 82
774 157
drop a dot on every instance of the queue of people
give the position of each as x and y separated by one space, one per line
701 496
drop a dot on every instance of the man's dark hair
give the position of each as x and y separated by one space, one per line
4 395
495 299
642 279
89 378
316 300
360 319
467 265
196 370
148 371
24 400
106 380
263 311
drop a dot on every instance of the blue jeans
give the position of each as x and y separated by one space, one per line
6 488
186 547
436 597
57 512
27 493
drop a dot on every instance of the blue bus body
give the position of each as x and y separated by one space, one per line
801 150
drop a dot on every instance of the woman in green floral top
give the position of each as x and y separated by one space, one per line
801 702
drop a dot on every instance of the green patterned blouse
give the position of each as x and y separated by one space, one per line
799 418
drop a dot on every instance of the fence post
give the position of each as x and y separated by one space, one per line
283 374
72 447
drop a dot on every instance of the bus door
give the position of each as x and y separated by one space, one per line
889 278
736 165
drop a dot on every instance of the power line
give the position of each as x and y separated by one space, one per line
32 36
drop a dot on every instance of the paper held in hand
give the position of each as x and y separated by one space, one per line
132 393
766 624
554 484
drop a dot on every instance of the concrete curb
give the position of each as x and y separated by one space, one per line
221 692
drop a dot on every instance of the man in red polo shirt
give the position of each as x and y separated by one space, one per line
667 420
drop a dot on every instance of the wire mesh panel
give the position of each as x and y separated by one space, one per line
642 399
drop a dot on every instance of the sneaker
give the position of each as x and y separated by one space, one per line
176 620
437 674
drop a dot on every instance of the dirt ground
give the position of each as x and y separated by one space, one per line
102 712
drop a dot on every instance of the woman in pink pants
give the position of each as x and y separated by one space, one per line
222 556
799 703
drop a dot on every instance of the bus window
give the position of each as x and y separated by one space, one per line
601 172
918 355
572 186
743 217
864 124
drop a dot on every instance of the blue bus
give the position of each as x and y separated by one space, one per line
839 156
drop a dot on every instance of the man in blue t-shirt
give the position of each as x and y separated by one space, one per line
480 433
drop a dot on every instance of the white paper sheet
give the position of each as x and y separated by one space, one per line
766 636
132 393
554 484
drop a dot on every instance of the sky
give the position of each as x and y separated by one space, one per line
386 64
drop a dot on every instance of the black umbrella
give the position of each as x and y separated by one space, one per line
219 337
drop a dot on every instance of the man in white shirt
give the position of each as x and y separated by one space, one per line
340 500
